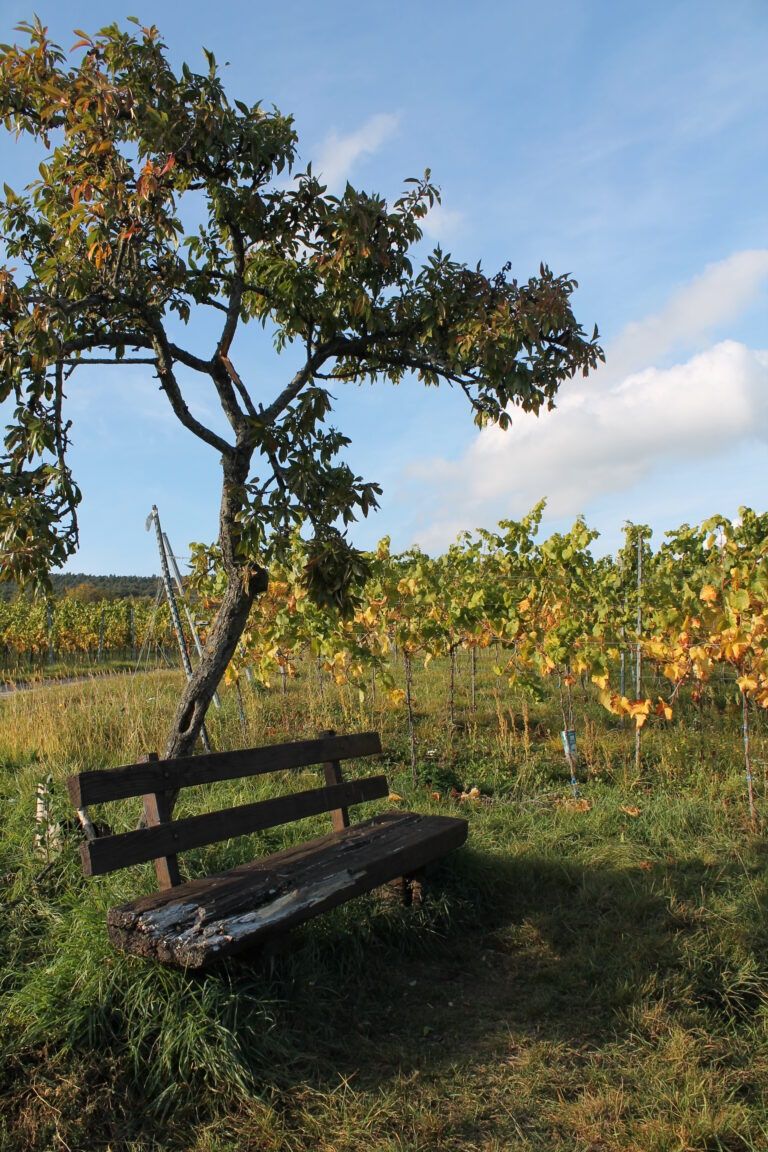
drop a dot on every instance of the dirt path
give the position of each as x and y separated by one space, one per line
8 688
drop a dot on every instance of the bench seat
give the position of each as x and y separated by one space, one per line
196 923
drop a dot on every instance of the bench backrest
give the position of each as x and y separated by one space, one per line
156 781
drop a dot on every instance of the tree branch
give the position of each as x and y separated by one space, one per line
171 388
235 294
60 436
235 377
303 376
77 361
107 340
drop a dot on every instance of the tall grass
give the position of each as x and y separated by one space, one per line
584 976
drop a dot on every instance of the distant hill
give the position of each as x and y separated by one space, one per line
107 587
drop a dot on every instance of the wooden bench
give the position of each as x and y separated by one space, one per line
194 923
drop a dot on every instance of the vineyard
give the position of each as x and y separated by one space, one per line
653 636
36 634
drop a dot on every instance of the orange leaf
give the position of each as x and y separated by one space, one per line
573 805
663 710
630 809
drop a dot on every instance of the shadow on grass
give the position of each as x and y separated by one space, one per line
507 953
507 949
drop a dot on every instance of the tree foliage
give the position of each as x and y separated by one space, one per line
159 199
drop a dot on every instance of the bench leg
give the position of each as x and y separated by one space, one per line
401 890
272 949
417 887
410 889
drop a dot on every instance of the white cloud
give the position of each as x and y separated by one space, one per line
339 154
442 223
717 296
602 441
619 426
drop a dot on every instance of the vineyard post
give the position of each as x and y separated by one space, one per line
409 706
100 650
49 630
638 649
190 620
747 758
625 617
174 608
241 711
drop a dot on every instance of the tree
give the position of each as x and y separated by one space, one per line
86 593
100 271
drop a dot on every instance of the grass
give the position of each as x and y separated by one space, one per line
581 978
40 670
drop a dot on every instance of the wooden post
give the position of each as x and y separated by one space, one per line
639 644
747 761
49 631
158 808
174 609
174 569
332 770
409 707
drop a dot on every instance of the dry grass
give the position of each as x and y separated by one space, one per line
581 980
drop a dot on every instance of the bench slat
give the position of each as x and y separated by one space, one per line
169 775
107 854
205 919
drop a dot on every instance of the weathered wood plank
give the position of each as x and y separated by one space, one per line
106 854
99 787
204 920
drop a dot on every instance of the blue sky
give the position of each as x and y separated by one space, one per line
622 143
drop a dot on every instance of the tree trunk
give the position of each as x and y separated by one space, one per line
217 653
244 582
